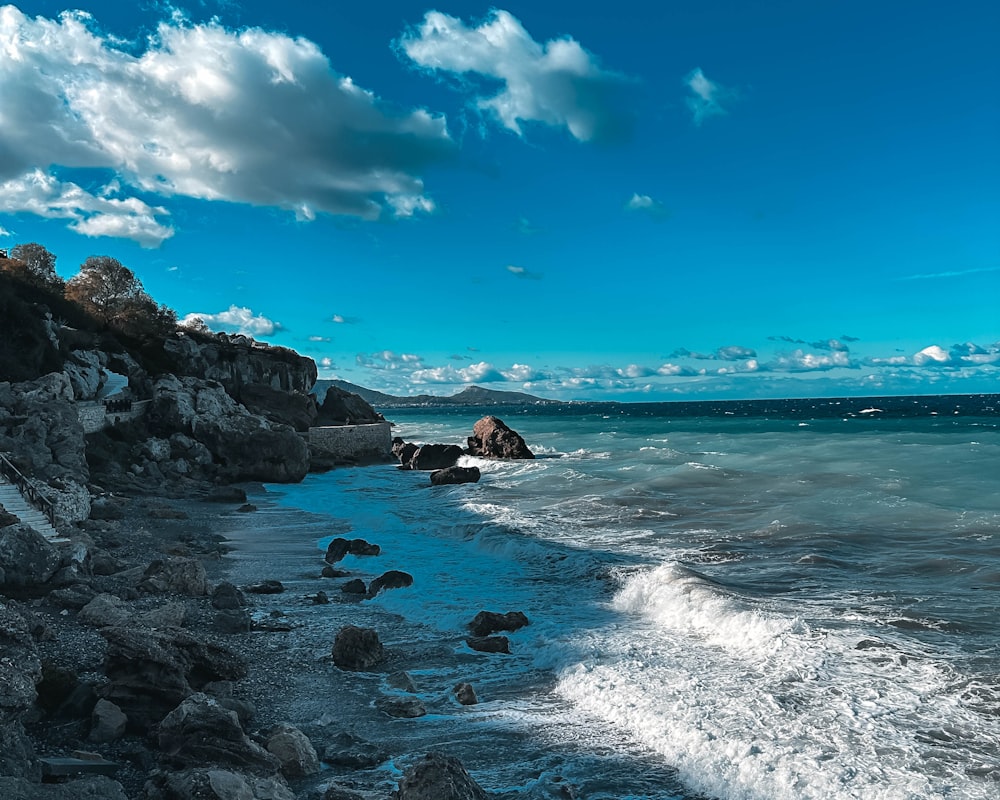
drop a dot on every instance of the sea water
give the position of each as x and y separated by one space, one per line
769 602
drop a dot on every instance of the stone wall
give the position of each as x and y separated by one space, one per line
94 416
353 441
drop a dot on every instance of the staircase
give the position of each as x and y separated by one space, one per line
14 502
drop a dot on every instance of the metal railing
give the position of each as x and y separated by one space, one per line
28 489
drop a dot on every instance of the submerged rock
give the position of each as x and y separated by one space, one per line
487 622
489 644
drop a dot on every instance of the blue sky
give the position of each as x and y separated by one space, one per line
641 201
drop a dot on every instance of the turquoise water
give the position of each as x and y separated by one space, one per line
794 605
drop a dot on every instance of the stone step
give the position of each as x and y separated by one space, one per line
14 503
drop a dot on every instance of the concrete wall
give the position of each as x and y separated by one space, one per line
94 417
353 441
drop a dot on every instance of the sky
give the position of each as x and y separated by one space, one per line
643 201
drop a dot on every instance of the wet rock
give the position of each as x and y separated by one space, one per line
340 547
333 572
405 454
455 475
177 574
247 508
273 624
354 586
232 621
401 707
489 644
320 598
201 732
213 783
357 648
439 777
27 559
487 622
350 752
265 587
107 722
226 494
491 438
435 456
402 681
225 596
293 750
393 579
465 694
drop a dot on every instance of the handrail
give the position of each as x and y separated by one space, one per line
27 489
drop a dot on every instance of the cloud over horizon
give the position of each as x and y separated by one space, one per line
557 83
235 319
204 112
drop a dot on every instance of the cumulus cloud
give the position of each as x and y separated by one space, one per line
236 319
327 363
247 116
707 96
320 339
557 83
803 361
483 372
644 204
340 319
387 359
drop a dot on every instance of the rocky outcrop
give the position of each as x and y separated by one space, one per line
455 475
344 408
27 559
243 446
213 783
438 777
434 456
491 438
20 670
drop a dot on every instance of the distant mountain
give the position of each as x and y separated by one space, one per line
472 396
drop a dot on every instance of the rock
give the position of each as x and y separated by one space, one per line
465 694
354 586
107 723
7 518
359 547
104 610
487 622
232 621
106 508
438 777
295 409
330 572
401 707
340 406
201 732
165 512
455 475
225 596
151 671
169 615
247 508
213 783
402 681
405 454
226 494
272 625
435 456
393 579
177 574
28 560
93 787
293 750
337 792
320 598
75 596
340 547
489 644
357 648
491 438
20 670
265 587
350 752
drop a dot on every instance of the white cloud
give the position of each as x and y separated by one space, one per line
932 355
735 352
387 359
523 372
708 96
235 319
803 361
557 83
4 231
92 215
246 116
320 339
644 204
523 272
327 363
482 372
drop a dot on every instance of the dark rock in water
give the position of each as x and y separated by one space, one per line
465 694
401 681
489 644
487 622
454 475
247 508
435 456
201 732
214 783
405 454
225 596
293 750
354 586
265 587
331 572
340 547
393 579
353 753
320 598
177 574
491 438
226 494
359 547
357 648
397 446
27 559
439 777
151 671
401 707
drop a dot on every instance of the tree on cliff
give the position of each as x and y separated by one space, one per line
110 291
33 264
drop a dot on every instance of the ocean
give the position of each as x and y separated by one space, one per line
777 600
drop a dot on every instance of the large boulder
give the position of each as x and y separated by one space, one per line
177 575
341 407
213 783
357 649
455 475
201 732
435 456
27 559
244 446
151 671
393 579
491 438
489 622
438 777
293 750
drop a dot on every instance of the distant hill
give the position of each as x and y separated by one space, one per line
473 396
